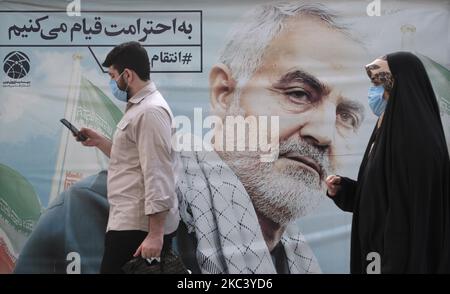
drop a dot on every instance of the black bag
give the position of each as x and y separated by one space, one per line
170 264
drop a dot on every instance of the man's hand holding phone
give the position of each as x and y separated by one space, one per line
89 137
94 139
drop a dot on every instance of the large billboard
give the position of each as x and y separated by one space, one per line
268 58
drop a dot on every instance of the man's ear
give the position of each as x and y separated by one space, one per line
221 85
130 75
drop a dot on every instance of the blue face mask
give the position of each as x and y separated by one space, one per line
122 95
376 101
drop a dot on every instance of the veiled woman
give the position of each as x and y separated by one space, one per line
401 199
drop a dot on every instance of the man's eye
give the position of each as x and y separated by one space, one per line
298 96
348 120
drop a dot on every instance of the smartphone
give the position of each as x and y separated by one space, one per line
73 129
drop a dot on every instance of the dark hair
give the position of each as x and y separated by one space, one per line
129 55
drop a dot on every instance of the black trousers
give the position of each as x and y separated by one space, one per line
120 247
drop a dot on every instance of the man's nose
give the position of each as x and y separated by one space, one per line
319 129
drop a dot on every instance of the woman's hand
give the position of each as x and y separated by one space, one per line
333 184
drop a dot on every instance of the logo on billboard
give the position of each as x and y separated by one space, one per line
16 65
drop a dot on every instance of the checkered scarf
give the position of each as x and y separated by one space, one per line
215 205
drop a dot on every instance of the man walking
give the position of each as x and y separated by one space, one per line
143 214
